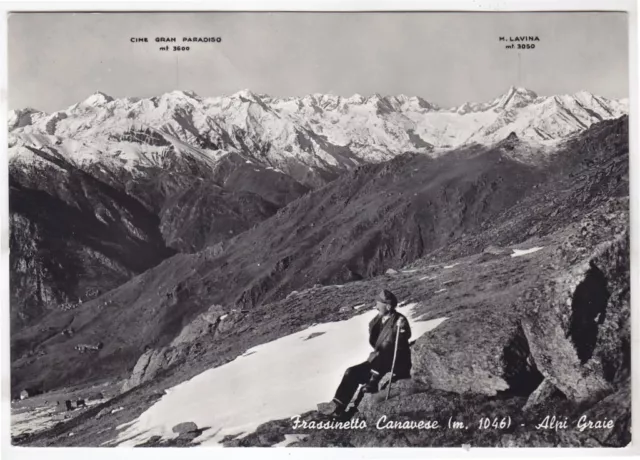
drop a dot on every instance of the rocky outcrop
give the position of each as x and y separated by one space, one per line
401 390
150 364
615 408
570 326
541 395
184 427
577 325
187 344
202 326
480 353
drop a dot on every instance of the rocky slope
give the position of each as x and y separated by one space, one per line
73 237
515 350
203 170
206 214
81 229
377 217
508 347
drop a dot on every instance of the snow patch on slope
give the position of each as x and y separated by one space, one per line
524 252
275 380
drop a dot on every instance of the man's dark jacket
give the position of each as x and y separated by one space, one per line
382 337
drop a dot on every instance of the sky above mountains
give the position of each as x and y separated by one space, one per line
57 59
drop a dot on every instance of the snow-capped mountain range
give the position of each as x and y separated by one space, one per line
296 135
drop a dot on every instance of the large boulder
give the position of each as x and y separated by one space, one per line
568 322
372 402
577 326
541 395
481 351
151 363
187 343
409 400
185 427
204 324
605 424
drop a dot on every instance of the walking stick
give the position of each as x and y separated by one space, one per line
393 364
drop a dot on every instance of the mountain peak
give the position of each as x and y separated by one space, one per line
180 92
366 127
25 110
522 91
97 98
415 101
515 97
584 94
178 96
244 94
357 98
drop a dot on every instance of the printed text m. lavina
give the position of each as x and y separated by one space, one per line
529 38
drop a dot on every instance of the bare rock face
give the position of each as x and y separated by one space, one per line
139 371
615 408
187 343
73 238
545 391
204 324
151 363
482 353
373 402
605 424
570 325
577 326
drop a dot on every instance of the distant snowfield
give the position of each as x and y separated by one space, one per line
524 252
275 380
33 420
373 128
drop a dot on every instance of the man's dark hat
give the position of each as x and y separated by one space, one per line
387 297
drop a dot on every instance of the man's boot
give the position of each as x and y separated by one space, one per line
372 385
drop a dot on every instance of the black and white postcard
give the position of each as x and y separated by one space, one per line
319 228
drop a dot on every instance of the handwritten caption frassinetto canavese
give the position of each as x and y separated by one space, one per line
549 423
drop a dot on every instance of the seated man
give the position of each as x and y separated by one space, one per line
383 330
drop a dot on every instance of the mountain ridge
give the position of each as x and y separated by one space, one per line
313 138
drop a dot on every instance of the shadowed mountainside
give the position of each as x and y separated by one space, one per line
375 218
78 231
73 238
